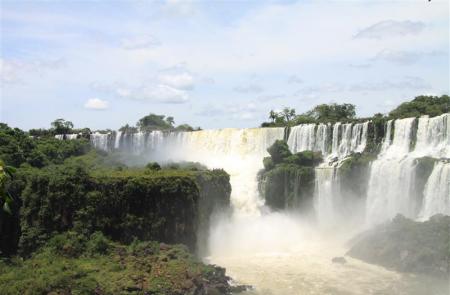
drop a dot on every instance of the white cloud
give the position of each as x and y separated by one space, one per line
177 77
96 104
391 28
140 42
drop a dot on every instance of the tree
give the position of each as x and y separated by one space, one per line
333 112
272 115
155 122
422 105
61 126
170 121
288 114
6 200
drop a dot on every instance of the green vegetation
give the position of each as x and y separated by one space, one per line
422 105
332 113
61 126
17 148
153 122
72 263
323 113
408 246
6 200
287 179
124 204
71 202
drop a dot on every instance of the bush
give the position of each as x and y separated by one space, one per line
279 151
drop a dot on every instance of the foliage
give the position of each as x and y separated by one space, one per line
288 179
128 129
17 148
332 112
153 166
422 105
155 122
124 204
279 151
61 126
6 199
71 263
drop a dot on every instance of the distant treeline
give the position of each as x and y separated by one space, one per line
331 113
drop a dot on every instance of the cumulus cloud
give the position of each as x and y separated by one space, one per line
96 104
177 77
390 28
407 83
249 88
140 42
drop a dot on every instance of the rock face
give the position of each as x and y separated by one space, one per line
407 246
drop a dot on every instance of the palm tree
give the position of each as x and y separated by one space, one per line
272 115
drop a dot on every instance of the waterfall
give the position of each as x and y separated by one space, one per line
437 192
238 151
100 141
392 176
392 185
327 196
345 139
433 136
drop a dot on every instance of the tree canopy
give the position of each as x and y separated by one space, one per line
61 126
422 105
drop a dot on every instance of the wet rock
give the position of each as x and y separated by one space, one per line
339 260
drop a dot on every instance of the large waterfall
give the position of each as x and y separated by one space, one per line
280 252
335 143
393 186
238 151
393 181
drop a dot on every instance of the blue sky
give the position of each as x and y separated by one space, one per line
214 64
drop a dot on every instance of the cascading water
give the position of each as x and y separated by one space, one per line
278 252
437 192
392 184
391 177
345 139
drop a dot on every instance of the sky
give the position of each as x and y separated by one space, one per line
215 64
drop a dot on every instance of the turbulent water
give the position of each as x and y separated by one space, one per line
282 253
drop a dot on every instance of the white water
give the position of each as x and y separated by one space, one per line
279 252
437 192
392 178
335 143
